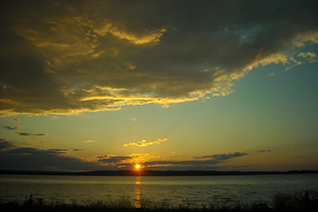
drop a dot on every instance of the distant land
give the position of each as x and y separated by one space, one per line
157 173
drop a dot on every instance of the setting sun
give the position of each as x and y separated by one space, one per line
137 166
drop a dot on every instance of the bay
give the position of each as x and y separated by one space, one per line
159 190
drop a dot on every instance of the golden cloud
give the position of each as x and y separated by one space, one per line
274 58
309 56
70 58
88 141
146 143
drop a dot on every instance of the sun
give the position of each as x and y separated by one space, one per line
137 166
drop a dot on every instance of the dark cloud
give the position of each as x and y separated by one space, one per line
30 134
5 144
27 150
221 157
9 127
27 158
67 57
128 161
263 150
114 159
38 159
199 163
33 144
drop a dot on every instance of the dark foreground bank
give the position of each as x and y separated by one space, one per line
300 201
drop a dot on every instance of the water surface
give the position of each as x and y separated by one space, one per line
174 190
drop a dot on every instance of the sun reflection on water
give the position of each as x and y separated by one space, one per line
137 192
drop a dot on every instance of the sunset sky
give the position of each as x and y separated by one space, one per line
171 85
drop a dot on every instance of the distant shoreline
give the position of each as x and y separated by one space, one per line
156 173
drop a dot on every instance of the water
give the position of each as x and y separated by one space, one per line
171 190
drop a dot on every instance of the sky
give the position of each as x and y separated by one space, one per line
170 85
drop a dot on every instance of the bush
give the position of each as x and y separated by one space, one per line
301 201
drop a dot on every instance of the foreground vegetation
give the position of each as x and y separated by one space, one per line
300 201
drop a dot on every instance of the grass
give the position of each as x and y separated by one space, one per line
300 201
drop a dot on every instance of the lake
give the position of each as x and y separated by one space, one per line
169 190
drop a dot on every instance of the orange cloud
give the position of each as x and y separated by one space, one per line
255 60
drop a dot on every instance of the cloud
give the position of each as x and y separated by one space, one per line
115 159
293 63
220 157
304 58
263 150
9 127
199 162
274 58
30 134
93 56
309 56
149 37
88 141
16 120
291 147
123 161
82 150
27 150
5 144
152 162
27 158
23 144
146 143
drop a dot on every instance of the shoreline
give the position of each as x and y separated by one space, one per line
156 173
